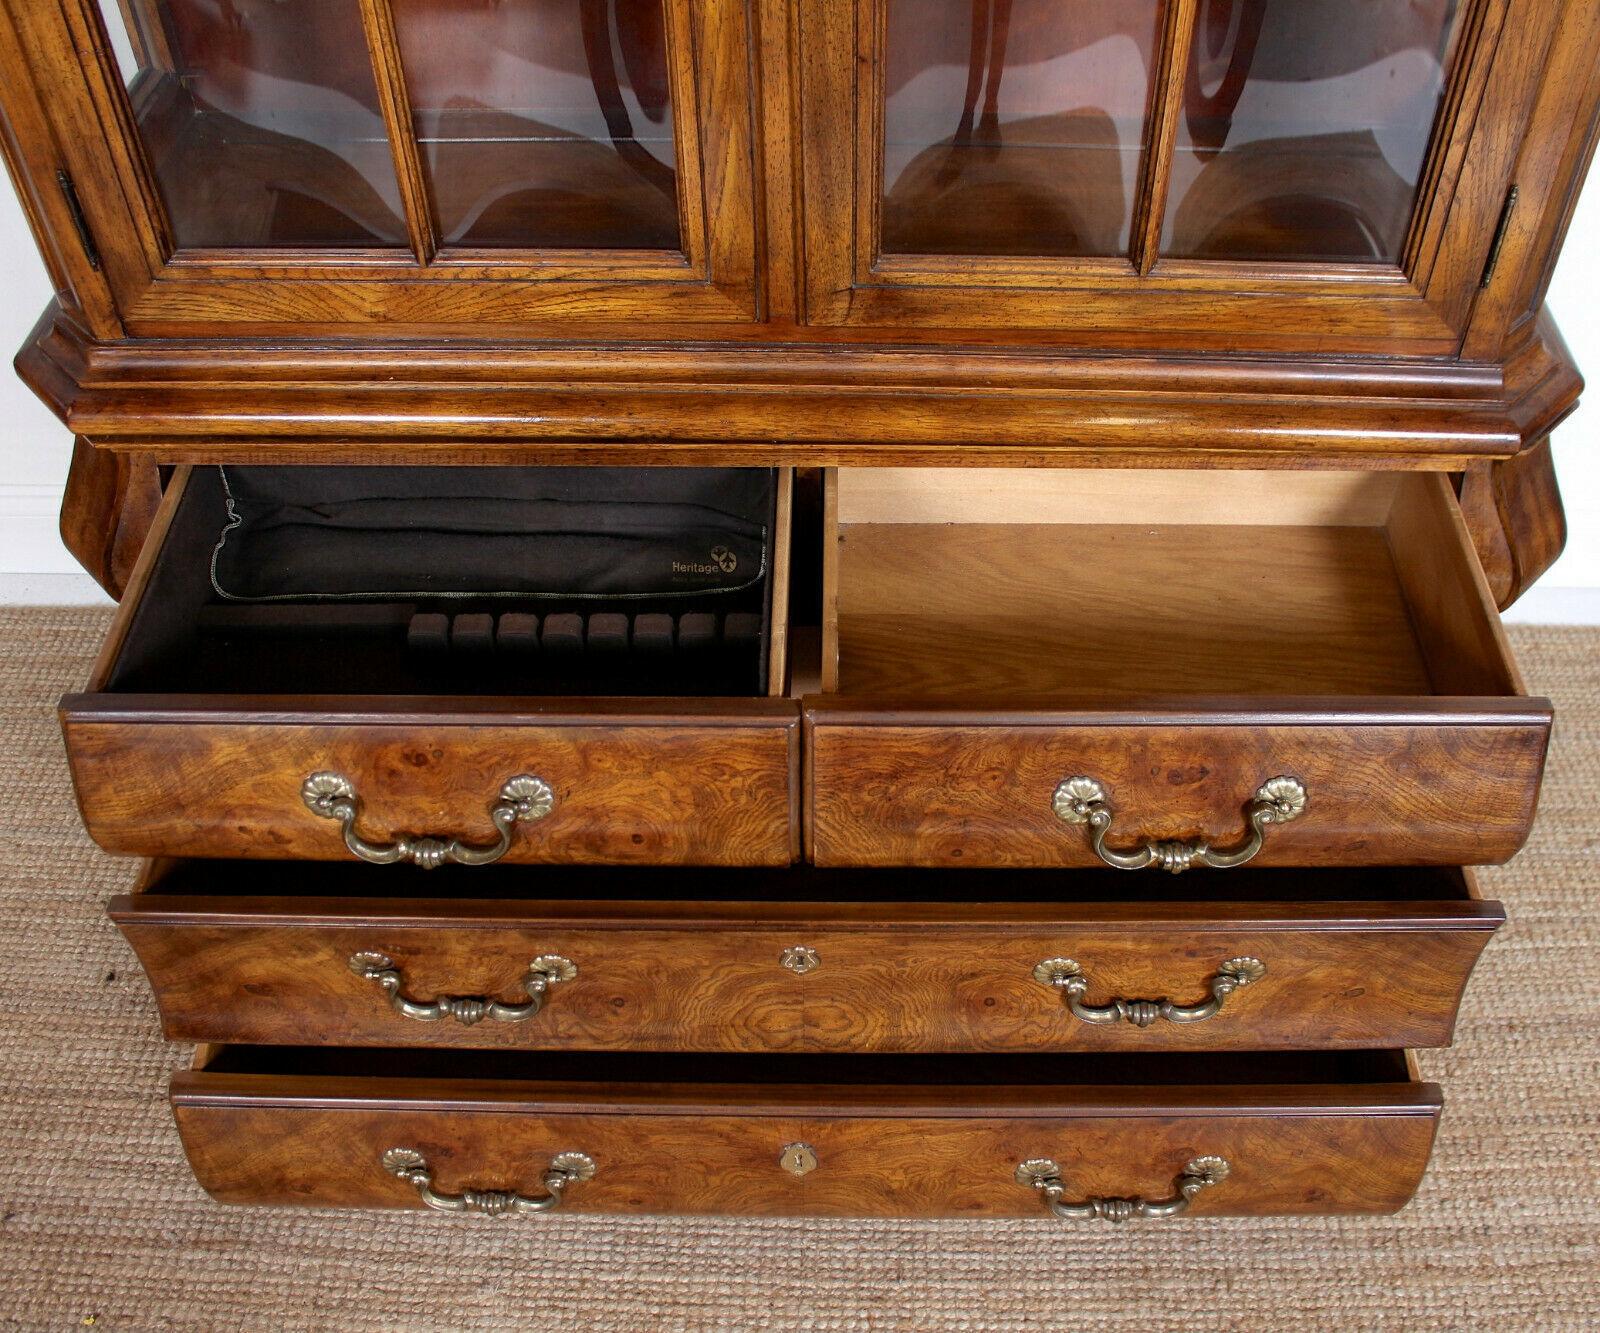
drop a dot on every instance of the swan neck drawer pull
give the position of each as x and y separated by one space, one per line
544 972
1065 974
1083 800
522 799
1044 1175
565 1168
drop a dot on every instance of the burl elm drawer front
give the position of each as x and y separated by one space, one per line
1306 785
1163 671
260 952
685 783
311 728
963 1141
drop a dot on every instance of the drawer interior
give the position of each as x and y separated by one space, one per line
227 879
1007 585
982 1074
462 581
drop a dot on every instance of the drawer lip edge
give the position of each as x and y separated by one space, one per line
156 910
198 1089
1190 711
413 711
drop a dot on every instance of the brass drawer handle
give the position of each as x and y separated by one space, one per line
565 1168
1083 800
333 796
1066 974
544 972
1044 1175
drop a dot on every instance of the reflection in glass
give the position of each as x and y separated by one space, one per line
1014 127
544 123
1305 127
260 119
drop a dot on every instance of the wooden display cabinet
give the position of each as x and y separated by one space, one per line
1239 305
881 225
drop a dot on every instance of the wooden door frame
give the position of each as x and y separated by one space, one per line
164 292
1419 308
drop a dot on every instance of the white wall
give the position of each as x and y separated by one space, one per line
1571 590
35 449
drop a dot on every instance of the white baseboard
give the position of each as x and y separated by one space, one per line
51 590
35 568
1556 606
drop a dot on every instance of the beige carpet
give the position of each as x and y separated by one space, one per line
101 1225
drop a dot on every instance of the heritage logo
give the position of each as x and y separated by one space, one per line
722 561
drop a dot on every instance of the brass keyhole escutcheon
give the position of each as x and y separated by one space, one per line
798 1158
799 959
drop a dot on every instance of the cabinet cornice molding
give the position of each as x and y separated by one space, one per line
790 404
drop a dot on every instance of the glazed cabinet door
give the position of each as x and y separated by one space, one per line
1287 173
334 164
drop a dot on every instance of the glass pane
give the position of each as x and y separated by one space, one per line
1305 127
1014 127
544 123
261 120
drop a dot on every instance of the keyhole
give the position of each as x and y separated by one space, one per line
798 1158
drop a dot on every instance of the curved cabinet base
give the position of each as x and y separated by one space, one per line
1514 512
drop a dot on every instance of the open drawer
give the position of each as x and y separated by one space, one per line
430 725
801 959
1085 1137
1162 670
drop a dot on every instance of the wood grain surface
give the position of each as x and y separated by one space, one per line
1517 520
856 280
1346 638
711 280
706 783
888 976
882 1151
779 155
842 405
786 331
1442 782
107 510
989 612
1104 584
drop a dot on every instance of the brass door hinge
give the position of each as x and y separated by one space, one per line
1502 229
69 192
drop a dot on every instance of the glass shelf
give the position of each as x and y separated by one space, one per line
1305 127
261 121
544 123
1015 127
